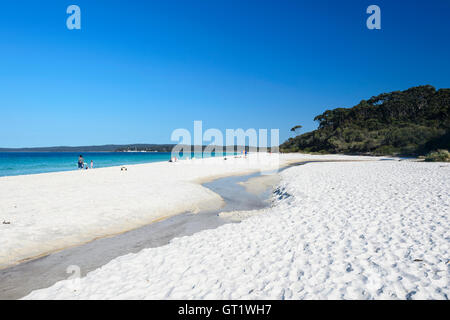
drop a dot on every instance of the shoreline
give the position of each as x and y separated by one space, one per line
55 219
74 168
219 204
96 253
336 230
248 185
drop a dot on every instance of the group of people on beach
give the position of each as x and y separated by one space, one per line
84 165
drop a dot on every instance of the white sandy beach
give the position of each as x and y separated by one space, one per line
349 230
51 211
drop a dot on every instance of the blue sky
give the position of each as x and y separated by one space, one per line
137 70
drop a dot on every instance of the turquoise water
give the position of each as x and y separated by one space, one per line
19 163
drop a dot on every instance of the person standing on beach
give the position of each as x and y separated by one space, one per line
80 162
92 164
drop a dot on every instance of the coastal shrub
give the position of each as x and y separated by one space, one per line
438 156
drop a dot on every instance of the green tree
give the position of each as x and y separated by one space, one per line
415 121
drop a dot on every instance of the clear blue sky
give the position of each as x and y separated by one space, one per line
139 69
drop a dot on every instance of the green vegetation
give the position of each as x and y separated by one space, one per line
438 156
411 122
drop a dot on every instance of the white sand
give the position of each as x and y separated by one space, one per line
51 211
363 230
237 216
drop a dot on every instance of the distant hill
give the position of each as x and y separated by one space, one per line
168 148
410 122
102 148
113 148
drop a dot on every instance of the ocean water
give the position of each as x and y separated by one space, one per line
19 163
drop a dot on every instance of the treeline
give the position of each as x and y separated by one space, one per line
410 122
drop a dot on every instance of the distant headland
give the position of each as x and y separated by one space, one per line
116 148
